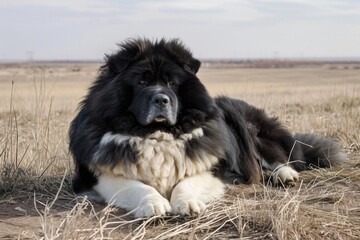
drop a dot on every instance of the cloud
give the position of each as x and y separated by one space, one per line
96 6
213 28
322 8
222 10
200 11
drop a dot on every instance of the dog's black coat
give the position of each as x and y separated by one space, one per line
238 134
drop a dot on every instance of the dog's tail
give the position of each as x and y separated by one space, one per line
317 152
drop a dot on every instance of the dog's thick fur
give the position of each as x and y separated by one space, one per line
148 137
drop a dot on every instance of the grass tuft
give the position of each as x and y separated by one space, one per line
36 200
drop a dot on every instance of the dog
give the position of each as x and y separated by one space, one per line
150 139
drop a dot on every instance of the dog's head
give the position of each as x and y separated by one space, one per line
154 81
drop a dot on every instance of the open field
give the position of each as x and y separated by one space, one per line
38 103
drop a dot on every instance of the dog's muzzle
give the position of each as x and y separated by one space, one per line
155 105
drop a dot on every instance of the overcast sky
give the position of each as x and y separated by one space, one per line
86 29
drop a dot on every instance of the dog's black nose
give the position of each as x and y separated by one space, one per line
160 100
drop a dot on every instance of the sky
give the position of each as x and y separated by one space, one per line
212 29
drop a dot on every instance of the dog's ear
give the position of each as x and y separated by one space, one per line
193 66
130 51
181 55
118 62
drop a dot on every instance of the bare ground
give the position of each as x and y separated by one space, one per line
36 201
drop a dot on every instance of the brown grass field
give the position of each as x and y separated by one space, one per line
36 201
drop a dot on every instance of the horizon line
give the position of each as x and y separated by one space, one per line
234 60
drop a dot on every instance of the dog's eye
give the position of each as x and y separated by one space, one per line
142 82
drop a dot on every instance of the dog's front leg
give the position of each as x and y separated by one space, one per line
132 195
191 195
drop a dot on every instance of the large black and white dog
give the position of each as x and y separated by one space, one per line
150 139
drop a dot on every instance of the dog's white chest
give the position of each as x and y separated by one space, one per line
163 162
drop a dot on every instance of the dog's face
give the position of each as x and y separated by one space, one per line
155 90
155 82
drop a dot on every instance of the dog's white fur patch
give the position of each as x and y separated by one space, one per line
281 173
196 133
109 137
162 161
192 194
189 197
132 195
285 175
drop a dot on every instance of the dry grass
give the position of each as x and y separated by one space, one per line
36 201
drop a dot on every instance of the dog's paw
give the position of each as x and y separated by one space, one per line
285 176
152 205
187 206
